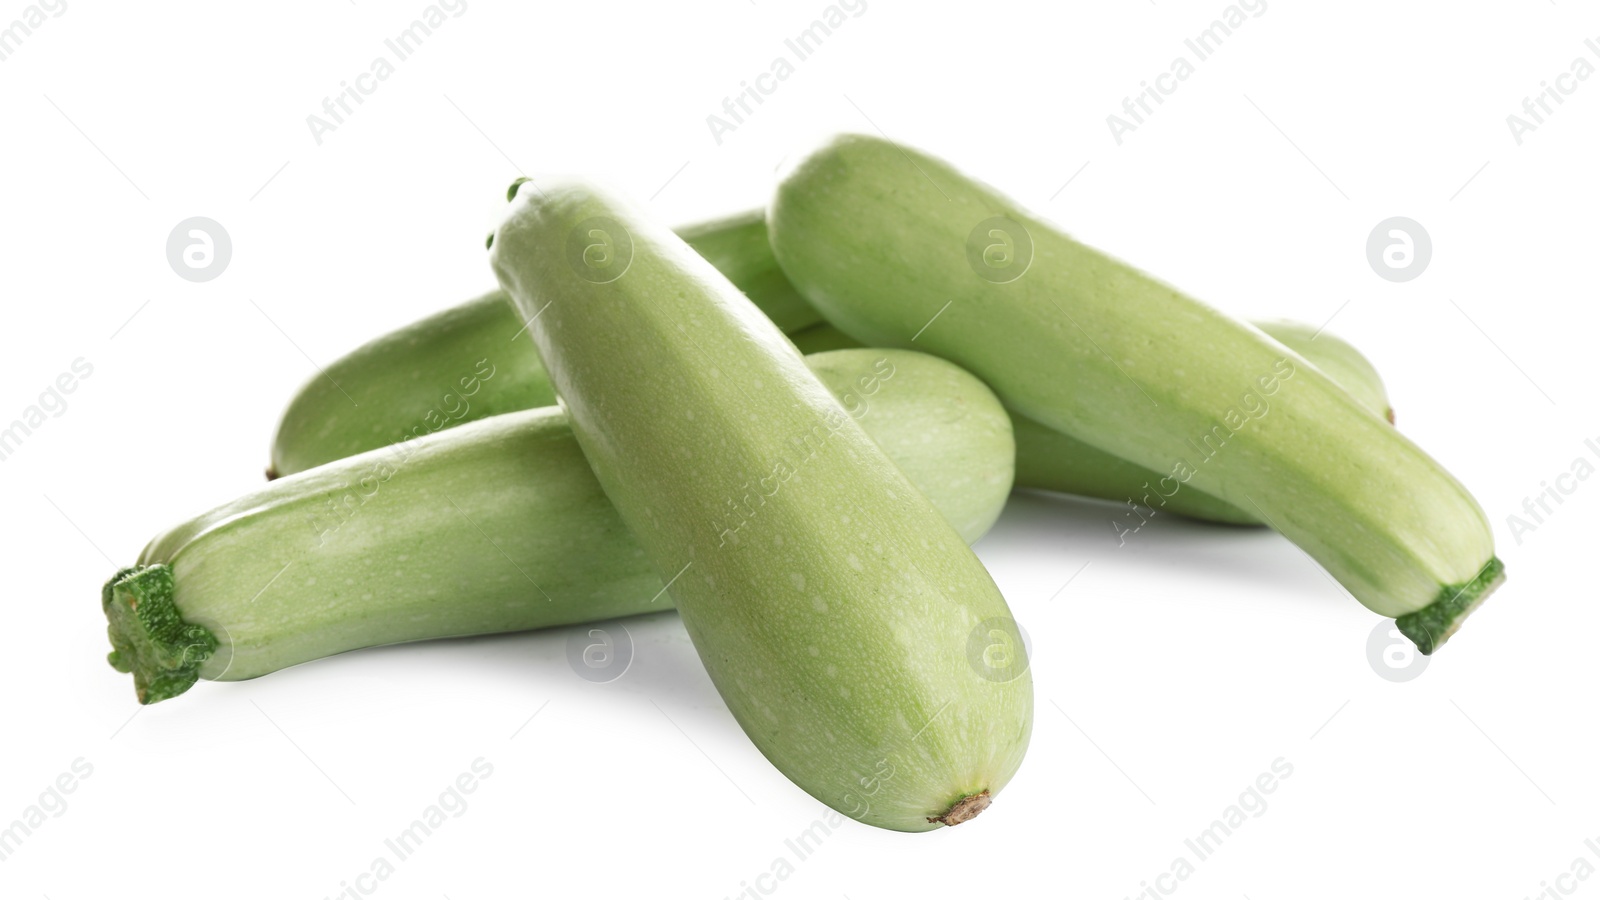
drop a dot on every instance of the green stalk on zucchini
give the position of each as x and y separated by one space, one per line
497 525
897 248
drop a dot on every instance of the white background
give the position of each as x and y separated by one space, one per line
1169 672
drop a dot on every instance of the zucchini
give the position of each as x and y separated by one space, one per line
464 350
896 246
737 245
836 611
494 526
1337 359
462 364
1050 460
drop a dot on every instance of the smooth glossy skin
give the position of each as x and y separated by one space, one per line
431 374
1052 461
880 237
499 525
321 425
852 633
1337 359
737 245
456 366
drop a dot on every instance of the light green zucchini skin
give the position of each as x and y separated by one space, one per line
1049 460
822 337
1338 359
737 245
832 605
877 237
462 364
399 375
498 525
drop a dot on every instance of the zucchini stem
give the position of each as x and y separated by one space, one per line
1432 625
964 809
149 638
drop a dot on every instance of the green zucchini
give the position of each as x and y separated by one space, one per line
737 245
494 526
897 248
1050 460
470 361
460 367
1337 358
836 611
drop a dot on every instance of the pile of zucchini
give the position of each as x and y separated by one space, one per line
790 424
